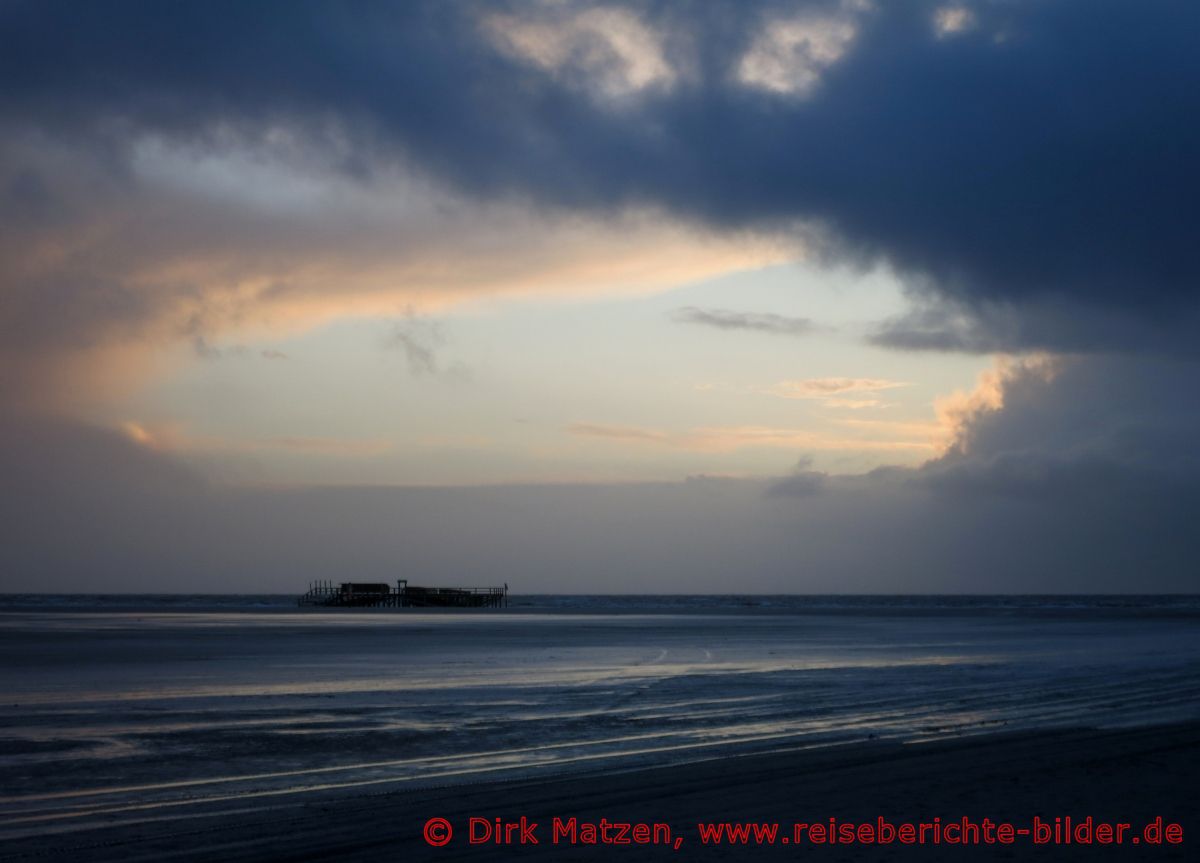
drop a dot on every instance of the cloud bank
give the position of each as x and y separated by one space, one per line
1029 498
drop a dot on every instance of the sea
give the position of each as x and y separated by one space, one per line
127 707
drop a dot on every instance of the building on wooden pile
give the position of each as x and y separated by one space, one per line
356 594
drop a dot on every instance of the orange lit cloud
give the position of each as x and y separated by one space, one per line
198 246
566 44
958 411
824 388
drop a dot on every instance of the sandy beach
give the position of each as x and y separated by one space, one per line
1131 776
252 734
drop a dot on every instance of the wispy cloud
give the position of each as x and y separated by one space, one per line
726 319
629 433
855 404
420 340
832 389
729 438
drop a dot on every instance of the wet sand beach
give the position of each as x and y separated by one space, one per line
258 734
1132 775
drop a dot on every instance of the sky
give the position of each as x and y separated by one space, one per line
591 297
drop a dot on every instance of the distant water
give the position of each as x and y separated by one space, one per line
640 603
116 708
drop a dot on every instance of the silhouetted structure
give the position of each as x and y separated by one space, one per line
353 594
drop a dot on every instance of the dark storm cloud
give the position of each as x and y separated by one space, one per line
726 319
1041 158
1060 324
